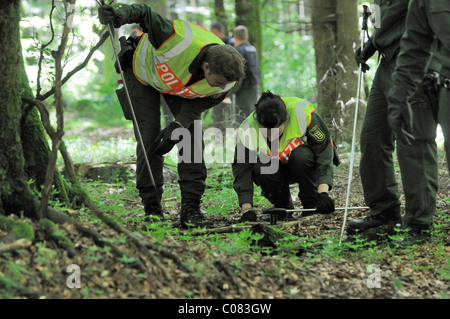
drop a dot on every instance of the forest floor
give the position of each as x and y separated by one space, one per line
212 264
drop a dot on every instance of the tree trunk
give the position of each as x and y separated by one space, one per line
335 33
347 70
323 17
220 14
248 14
15 195
26 151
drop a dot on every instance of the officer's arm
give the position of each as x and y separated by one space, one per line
191 109
319 140
242 172
159 29
415 49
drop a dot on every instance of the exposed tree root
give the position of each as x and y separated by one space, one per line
229 271
61 218
21 243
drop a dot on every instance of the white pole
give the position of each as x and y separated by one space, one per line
358 93
139 135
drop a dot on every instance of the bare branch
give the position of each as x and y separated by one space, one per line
56 140
78 68
43 46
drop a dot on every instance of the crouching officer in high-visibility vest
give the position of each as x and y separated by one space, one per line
284 141
192 69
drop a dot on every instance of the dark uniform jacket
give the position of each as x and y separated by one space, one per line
392 17
427 28
159 29
252 72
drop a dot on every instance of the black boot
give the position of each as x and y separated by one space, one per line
153 212
361 225
190 214
412 235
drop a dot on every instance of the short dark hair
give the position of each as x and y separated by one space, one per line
226 61
136 26
270 110
218 26
241 32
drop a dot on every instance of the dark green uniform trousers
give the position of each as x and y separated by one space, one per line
418 162
146 105
301 169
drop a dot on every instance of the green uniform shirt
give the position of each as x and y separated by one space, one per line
427 20
160 29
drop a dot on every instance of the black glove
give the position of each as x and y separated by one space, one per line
324 203
361 57
163 143
107 14
400 115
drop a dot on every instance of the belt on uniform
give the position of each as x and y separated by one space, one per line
439 79
445 82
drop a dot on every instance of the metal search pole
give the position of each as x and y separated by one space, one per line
366 14
337 208
138 131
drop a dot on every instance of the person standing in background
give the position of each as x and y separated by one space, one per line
246 90
219 30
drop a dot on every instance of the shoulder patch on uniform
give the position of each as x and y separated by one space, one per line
317 133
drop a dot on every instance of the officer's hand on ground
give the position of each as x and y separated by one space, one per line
164 143
324 203
400 116
107 14
361 56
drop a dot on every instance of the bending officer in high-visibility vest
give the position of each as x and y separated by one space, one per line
192 69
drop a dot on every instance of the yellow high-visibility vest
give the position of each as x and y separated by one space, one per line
167 68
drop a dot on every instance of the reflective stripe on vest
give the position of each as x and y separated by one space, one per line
301 118
286 152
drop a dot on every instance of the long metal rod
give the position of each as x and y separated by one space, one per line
358 93
337 208
138 131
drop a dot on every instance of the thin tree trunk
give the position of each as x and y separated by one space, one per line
323 16
220 15
56 139
248 13
347 70
335 33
